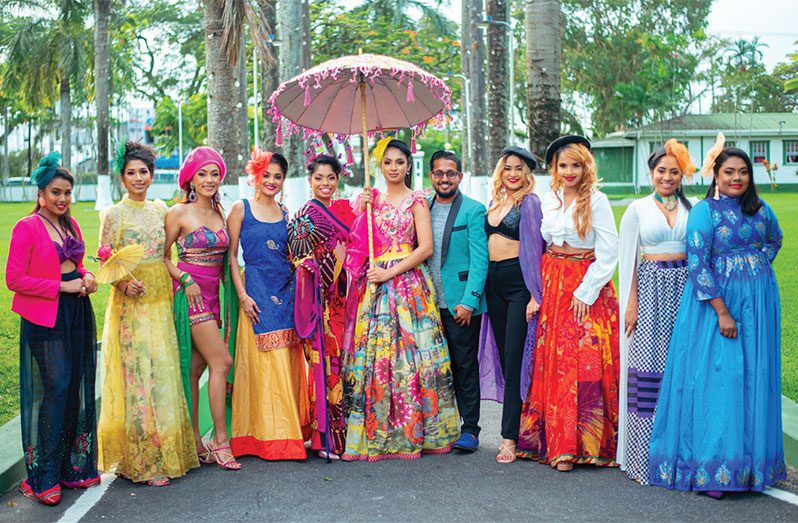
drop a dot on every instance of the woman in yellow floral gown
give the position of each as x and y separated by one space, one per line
144 431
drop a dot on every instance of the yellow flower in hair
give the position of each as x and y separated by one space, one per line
379 148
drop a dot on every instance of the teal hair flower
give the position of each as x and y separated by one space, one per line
46 170
119 156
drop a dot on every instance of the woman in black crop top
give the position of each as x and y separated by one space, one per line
512 290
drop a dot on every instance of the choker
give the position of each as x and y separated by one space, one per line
670 202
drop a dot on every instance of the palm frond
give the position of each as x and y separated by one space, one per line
233 17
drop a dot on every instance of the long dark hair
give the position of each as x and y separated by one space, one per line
399 144
655 160
65 220
749 201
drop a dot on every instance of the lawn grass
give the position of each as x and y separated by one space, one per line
786 266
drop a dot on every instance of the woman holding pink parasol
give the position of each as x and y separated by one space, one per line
398 382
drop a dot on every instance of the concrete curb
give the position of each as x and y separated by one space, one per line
789 420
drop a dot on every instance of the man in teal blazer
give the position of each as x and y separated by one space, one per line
459 267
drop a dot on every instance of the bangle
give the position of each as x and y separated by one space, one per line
187 283
183 277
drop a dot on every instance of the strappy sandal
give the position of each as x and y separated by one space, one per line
223 456
158 482
205 456
506 454
50 497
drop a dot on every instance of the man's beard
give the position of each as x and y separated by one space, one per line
451 192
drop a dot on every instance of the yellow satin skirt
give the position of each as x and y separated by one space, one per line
271 411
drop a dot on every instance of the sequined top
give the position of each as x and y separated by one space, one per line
724 243
203 247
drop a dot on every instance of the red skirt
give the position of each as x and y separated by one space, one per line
571 412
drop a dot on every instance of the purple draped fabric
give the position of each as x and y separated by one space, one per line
530 251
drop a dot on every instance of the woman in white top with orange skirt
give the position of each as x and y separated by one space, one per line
652 274
571 413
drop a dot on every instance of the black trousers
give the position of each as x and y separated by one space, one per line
463 345
507 298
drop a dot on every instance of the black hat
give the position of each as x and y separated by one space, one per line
522 153
561 142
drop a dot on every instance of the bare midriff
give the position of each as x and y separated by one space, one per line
501 248
672 256
567 249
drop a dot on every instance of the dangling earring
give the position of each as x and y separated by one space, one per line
217 197
192 194
717 192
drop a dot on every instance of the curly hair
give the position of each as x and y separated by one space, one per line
499 195
583 216
138 151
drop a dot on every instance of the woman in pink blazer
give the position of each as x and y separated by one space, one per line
57 341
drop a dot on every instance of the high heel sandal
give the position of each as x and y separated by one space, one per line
205 456
223 456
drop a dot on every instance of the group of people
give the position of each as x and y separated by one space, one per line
372 330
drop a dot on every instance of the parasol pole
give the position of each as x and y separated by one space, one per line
367 183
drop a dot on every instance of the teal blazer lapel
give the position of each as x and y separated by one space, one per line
447 230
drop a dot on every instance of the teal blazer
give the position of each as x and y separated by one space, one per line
464 256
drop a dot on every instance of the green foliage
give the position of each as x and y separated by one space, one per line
633 60
382 27
195 123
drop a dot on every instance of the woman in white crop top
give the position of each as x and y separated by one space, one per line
571 412
652 228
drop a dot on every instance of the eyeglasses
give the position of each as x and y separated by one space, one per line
437 175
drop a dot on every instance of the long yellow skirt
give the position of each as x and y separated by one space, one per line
144 430
271 411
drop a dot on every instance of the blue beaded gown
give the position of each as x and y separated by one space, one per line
718 420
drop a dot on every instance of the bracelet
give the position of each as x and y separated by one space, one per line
186 283
183 277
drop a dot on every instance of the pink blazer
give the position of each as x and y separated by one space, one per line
33 271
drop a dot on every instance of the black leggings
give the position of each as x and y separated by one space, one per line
507 298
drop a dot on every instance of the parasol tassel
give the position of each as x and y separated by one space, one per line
307 95
413 144
350 158
411 97
278 134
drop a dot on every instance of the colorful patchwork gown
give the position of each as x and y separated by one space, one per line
718 419
271 416
144 430
398 385
317 238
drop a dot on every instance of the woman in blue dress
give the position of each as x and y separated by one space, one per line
271 417
718 422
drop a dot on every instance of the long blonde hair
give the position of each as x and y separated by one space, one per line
500 194
583 216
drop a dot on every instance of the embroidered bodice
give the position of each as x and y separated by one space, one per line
203 246
723 242
394 222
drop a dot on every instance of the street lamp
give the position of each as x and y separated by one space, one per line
484 25
467 123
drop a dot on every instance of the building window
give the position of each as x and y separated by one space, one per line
654 146
759 151
730 143
791 152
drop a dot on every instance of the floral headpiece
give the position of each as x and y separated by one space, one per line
679 151
257 165
45 172
379 148
712 155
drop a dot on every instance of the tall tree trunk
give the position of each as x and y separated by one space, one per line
543 51
5 172
498 78
223 96
291 64
102 9
242 104
66 123
269 80
473 66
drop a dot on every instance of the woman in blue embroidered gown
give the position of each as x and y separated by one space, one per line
718 421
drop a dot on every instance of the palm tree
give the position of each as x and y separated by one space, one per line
397 11
226 22
102 78
61 46
498 73
743 53
472 65
543 51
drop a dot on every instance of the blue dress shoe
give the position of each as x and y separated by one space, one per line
466 442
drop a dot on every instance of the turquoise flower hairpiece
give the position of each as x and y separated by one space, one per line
119 156
46 170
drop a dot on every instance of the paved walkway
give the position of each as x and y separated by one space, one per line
451 487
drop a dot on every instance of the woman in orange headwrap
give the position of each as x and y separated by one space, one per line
653 272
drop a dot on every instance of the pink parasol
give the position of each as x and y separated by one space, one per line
359 94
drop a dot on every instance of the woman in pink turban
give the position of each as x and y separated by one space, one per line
197 225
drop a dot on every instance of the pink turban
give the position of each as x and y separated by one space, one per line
197 159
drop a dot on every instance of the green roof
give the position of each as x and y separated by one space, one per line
740 122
